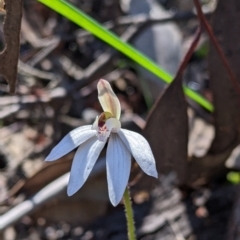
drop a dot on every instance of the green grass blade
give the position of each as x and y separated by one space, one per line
89 24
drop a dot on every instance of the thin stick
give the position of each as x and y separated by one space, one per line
45 194
142 20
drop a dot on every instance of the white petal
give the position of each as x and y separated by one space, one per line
140 150
83 162
118 168
108 99
72 140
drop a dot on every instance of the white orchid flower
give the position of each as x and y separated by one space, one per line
91 140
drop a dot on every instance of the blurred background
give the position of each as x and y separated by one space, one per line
196 148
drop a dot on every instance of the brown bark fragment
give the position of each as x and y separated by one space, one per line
9 57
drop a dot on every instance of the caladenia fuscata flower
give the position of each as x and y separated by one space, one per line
90 141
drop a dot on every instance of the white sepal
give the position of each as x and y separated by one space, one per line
72 140
95 124
118 168
140 150
108 99
83 163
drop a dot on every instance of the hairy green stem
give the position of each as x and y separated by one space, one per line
129 215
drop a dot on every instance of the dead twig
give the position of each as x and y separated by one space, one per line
52 44
44 195
31 36
142 19
28 70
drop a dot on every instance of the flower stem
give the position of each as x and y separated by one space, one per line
129 215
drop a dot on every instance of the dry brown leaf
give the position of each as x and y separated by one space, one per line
167 131
9 57
226 99
226 27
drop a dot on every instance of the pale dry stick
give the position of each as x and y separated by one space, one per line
175 229
12 104
44 195
53 44
9 110
31 36
29 70
26 99
143 20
